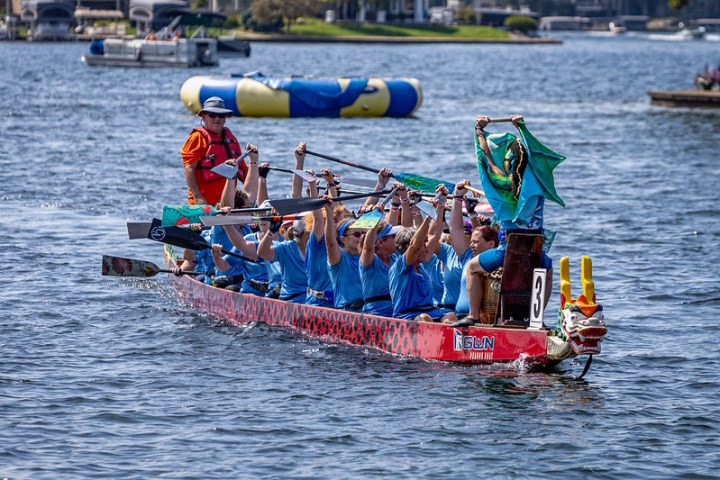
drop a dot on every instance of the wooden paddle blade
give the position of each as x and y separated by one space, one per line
185 214
177 236
368 220
127 267
138 229
227 220
417 182
288 206
475 190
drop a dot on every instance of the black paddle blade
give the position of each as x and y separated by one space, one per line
176 236
127 267
288 206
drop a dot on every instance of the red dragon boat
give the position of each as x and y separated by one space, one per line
515 332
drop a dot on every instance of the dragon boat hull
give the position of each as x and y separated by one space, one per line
257 95
429 341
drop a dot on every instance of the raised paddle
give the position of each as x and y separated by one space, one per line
128 267
475 190
300 173
229 171
370 219
184 214
288 206
184 238
245 220
417 182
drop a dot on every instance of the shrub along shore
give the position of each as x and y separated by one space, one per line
317 31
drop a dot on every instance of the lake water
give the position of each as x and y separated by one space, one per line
102 378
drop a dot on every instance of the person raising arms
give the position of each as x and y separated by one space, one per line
343 259
410 286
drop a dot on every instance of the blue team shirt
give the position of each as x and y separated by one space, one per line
463 303
453 272
376 282
345 278
434 268
410 290
292 266
316 267
254 271
237 265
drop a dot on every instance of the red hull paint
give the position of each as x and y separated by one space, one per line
429 341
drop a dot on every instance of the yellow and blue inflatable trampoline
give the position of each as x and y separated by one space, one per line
257 95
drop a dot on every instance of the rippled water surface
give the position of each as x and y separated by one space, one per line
101 378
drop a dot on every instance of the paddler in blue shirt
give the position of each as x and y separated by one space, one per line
290 255
343 254
410 286
378 254
319 291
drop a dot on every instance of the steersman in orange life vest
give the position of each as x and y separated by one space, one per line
209 145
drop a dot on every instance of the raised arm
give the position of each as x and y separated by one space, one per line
263 171
393 215
331 241
367 254
297 182
265 249
415 249
328 176
438 226
384 175
459 241
480 124
318 228
251 179
247 248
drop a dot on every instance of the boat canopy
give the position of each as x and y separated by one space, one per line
98 14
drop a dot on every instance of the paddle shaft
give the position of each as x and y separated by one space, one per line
499 120
344 162
280 169
182 272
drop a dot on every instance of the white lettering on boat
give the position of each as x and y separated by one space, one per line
471 342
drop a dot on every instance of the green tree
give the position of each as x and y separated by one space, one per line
520 23
678 4
269 11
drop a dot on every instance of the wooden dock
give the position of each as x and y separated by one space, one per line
686 98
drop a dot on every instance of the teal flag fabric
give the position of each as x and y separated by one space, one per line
529 174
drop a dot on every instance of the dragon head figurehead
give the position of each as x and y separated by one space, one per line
581 321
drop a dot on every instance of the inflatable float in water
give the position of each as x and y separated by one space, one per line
257 95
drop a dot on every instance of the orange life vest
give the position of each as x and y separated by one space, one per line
220 148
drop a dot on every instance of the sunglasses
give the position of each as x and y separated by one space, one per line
354 234
217 115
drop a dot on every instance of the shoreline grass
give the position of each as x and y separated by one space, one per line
306 27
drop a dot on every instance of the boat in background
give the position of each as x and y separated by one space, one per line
617 28
181 52
230 45
258 95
